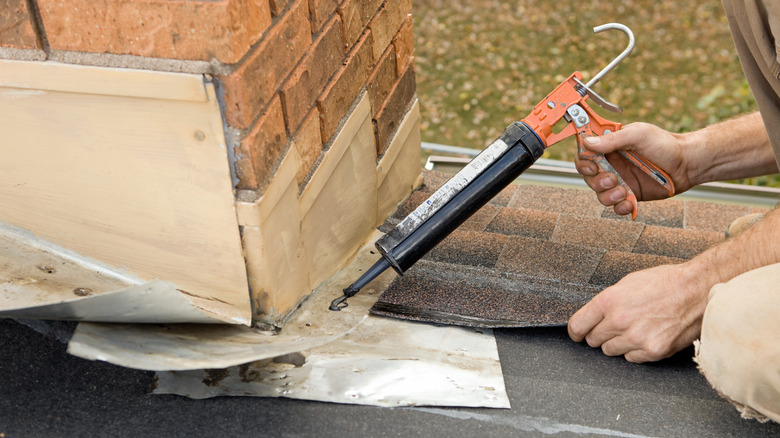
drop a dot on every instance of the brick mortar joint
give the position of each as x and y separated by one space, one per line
37 24
225 69
16 54
111 60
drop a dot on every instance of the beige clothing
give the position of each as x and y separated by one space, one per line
739 349
753 25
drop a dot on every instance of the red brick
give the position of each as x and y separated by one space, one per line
261 148
404 44
385 25
254 82
355 14
382 79
16 29
308 143
193 30
343 88
393 110
277 6
320 11
307 81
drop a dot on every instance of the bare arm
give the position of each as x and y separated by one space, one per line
736 148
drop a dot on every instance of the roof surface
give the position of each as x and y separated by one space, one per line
556 387
535 254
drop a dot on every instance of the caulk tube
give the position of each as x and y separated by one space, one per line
516 150
449 190
525 150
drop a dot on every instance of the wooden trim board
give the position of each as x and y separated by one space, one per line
54 76
398 172
126 167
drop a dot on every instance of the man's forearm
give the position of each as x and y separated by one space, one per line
735 148
753 248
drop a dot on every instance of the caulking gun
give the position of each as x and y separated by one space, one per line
515 150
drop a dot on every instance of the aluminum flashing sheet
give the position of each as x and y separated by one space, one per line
536 254
183 346
382 361
344 357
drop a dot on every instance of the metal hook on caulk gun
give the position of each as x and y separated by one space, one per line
611 66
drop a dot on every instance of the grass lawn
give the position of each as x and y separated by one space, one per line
482 64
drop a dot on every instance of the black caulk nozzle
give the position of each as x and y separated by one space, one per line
379 267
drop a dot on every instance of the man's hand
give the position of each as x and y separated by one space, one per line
665 149
732 149
651 314
647 316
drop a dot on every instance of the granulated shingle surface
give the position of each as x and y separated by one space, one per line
617 264
666 212
570 201
548 259
480 220
521 222
675 242
597 232
536 255
439 292
712 217
469 248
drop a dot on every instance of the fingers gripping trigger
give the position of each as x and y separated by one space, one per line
604 166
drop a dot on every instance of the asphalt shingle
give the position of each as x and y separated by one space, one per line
712 217
597 232
666 212
675 242
547 259
447 293
537 254
557 200
522 222
469 248
617 264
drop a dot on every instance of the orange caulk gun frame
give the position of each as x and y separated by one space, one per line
567 101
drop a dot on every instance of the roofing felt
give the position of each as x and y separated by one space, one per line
535 254
557 388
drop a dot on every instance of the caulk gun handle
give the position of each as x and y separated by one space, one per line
597 125
605 166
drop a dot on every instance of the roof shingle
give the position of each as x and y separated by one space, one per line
535 254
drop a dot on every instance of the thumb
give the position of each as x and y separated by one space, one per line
630 137
607 143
